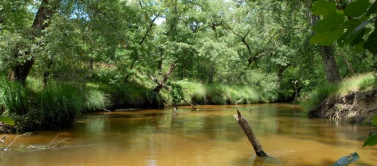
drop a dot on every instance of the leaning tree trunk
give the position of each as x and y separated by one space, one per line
328 58
41 21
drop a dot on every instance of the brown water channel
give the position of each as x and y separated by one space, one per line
209 136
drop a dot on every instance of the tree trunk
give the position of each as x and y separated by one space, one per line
41 21
46 74
328 58
332 73
211 74
166 77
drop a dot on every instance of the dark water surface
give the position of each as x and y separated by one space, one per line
209 136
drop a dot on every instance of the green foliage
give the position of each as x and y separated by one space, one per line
176 93
347 159
371 140
323 7
357 8
7 121
333 27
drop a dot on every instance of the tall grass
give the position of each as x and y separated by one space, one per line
58 105
193 92
13 97
224 94
96 100
131 95
366 81
360 82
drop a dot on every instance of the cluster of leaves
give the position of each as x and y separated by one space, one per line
176 93
372 139
347 25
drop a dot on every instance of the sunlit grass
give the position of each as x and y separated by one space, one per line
224 94
360 82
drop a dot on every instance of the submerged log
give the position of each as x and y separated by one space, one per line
250 134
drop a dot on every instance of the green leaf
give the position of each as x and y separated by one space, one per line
359 47
7 120
351 23
331 21
357 8
358 37
347 159
334 35
372 9
358 28
371 43
374 121
371 140
323 8
318 38
346 38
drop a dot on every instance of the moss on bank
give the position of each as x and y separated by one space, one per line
35 107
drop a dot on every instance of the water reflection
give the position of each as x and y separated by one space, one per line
208 136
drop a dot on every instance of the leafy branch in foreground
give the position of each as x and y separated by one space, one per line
7 121
372 139
346 25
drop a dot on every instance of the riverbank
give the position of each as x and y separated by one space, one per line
35 107
354 99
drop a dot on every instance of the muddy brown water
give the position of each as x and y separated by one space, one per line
209 136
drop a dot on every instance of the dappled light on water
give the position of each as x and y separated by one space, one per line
208 136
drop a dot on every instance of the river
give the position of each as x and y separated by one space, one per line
208 136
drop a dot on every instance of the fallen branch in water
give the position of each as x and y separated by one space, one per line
14 140
57 144
51 145
244 124
53 140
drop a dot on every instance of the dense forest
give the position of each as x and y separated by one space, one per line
62 58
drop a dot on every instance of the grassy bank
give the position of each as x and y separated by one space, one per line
35 107
360 82
199 93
